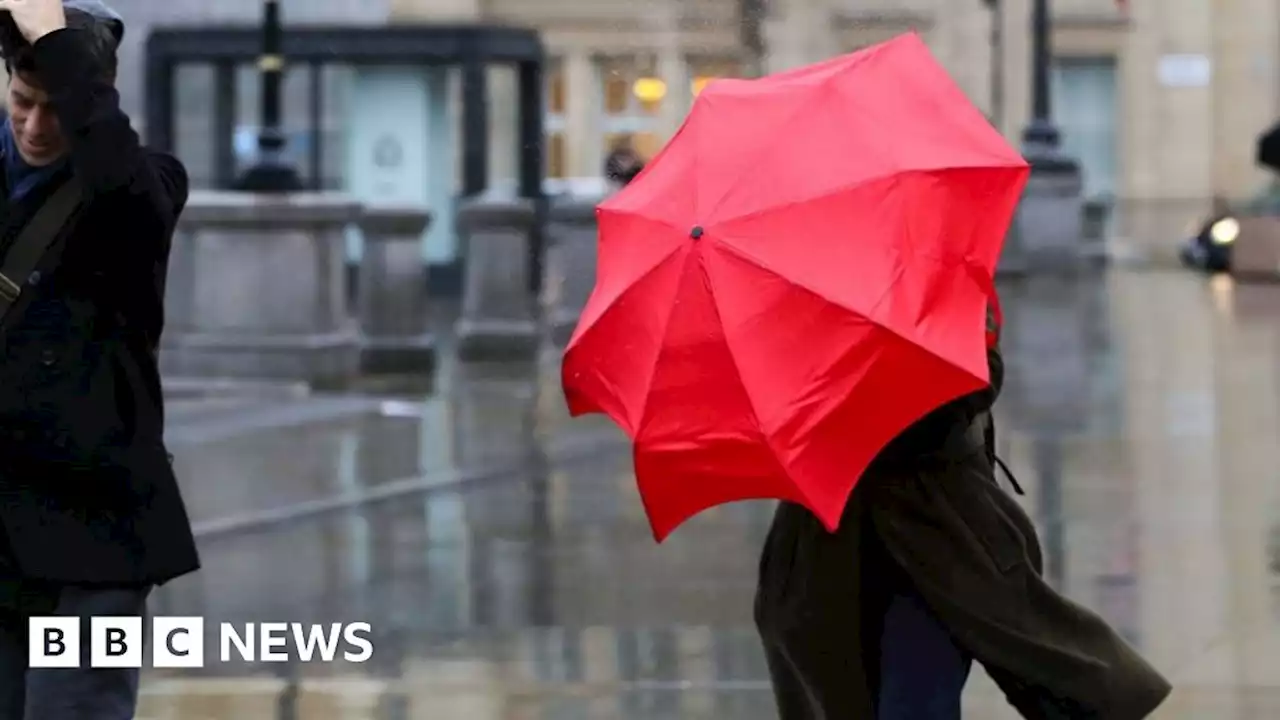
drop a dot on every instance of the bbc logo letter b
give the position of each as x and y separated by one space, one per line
115 642
53 642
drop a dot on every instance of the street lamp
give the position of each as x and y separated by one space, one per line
1048 231
271 173
1041 139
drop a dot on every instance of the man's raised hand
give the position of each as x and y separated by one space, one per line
35 18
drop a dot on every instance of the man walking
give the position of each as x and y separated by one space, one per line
90 513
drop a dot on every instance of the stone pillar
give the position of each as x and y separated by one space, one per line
673 70
571 263
257 289
583 147
504 129
393 307
498 318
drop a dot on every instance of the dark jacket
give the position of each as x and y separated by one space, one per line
929 513
87 488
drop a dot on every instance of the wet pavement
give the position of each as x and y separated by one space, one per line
501 555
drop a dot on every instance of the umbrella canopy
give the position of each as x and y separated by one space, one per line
800 274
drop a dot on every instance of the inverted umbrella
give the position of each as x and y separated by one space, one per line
800 274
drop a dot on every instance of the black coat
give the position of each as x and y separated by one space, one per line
928 513
87 488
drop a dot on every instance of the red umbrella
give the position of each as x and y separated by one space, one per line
800 274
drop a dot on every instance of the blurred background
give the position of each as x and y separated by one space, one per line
1160 104
363 382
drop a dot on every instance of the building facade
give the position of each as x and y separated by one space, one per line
1158 100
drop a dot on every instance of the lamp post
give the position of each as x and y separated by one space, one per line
271 173
1041 138
1041 132
1048 233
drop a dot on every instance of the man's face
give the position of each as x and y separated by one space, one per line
35 127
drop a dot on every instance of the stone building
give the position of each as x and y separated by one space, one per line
1159 100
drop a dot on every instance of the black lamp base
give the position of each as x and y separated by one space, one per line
1042 148
268 176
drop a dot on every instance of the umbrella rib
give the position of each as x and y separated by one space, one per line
676 247
755 412
662 340
589 329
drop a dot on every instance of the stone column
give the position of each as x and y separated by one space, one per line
498 320
393 307
257 289
673 70
583 148
504 131
571 263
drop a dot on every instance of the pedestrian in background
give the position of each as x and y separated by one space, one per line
91 518
623 164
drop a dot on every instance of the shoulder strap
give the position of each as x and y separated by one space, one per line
34 241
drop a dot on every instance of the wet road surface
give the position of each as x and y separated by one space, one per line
500 553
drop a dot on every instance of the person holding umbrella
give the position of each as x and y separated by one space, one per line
795 300
934 566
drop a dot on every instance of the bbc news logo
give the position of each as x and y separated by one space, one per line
178 642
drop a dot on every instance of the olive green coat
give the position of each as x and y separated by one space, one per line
929 511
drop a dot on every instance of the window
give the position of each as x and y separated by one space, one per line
1085 109
632 94
554 124
702 71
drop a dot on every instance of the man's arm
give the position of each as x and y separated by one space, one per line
105 151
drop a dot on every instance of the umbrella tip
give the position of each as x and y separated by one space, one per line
696 232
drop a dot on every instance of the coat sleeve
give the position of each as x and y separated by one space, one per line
106 153
148 188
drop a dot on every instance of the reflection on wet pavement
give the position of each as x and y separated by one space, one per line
500 552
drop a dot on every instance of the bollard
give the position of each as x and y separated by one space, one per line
571 263
393 306
498 320
256 289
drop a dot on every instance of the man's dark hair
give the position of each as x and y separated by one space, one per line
98 35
